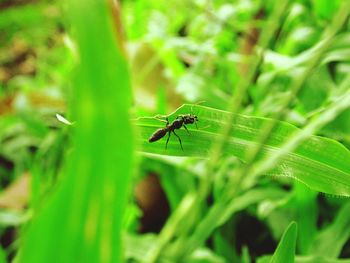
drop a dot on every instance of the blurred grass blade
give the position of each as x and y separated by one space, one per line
82 220
220 212
285 251
331 240
305 203
2 255
247 199
245 255
308 259
318 259
320 163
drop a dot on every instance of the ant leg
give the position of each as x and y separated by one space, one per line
166 145
166 121
161 118
186 129
179 140
196 124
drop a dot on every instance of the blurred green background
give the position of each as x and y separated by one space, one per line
265 176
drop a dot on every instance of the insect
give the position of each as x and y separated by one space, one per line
181 120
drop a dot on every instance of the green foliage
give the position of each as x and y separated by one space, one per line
319 162
2 255
329 241
286 247
273 131
86 194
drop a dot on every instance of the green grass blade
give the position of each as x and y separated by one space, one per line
319 259
247 199
331 240
305 203
2 255
320 163
308 259
221 211
285 251
82 220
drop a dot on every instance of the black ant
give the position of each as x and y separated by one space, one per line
181 120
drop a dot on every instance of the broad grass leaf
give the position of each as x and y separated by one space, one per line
320 163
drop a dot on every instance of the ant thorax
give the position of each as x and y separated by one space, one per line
177 123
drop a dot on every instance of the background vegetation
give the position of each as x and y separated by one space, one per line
264 178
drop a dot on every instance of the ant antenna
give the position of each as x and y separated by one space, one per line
162 118
199 102
195 117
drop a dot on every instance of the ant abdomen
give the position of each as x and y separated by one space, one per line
158 134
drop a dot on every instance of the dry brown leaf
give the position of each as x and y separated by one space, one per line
16 195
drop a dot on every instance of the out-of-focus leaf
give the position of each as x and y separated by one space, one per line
84 213
307 259
204 255
319 259
245 255
223 246
340 127
249 198
330 241
2 255
13 218
137 245
16 196
285 251
306 210
326 9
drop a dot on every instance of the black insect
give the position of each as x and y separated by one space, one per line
180 121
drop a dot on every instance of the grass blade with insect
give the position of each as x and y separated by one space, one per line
320 163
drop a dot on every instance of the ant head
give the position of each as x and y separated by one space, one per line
189 118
